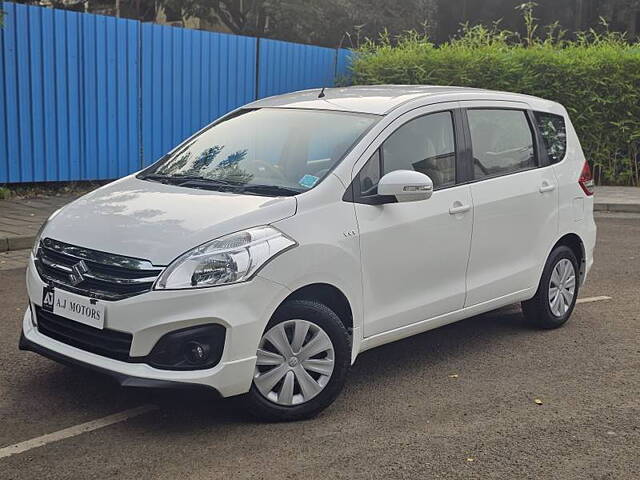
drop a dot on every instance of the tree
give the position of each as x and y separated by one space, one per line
343 22
321 22
242 17
621 15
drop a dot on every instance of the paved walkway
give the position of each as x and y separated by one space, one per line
14 259
20 219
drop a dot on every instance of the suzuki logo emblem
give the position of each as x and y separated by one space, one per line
77 272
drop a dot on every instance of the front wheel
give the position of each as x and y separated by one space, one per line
557 292
302 361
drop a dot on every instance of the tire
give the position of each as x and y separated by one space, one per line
294 397
541 310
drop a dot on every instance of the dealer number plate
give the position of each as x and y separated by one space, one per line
88 311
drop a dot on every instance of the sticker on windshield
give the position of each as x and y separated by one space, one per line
308 181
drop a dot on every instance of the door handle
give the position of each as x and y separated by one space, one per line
458 209
547 187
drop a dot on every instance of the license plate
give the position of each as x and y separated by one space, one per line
88 311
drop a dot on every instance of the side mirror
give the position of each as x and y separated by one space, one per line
406 185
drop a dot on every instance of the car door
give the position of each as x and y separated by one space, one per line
515 198
414 255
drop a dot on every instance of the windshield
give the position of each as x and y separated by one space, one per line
287 150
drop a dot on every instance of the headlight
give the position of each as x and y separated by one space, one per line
230 259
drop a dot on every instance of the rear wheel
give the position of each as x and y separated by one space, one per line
302 361
557 292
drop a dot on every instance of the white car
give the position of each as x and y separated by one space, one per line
264 253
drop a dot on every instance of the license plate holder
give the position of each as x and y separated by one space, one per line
88 311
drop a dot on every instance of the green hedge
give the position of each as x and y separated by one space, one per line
597 78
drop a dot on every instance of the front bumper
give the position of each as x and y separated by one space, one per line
243 309
123 380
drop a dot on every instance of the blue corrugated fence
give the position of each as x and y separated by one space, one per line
189 78
86 97
287 67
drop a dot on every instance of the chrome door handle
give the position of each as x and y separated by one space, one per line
459 209
547 187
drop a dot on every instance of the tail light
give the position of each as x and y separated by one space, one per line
586 179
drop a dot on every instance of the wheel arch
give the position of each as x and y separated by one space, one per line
330 296
575 243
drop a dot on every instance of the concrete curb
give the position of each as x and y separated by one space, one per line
26 241
20 242
617 207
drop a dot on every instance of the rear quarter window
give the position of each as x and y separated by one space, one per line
554 134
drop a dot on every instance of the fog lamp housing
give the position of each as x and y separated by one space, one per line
196 352
191 348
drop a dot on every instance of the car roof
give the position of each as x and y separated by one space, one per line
381 99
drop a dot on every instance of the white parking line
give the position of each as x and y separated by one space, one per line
593 299
75 430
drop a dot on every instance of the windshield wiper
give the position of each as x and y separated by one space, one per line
195 181
157 177
180 180
270 190
209 184
236 187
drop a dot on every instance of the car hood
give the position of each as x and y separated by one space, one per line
158 222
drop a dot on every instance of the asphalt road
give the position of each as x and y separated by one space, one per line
403 414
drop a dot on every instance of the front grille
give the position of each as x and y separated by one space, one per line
93 273
108 343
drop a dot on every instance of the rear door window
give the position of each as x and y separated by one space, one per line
502 142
